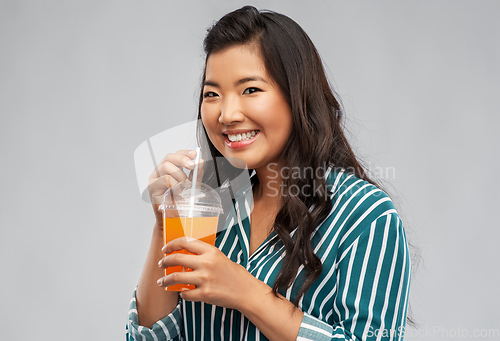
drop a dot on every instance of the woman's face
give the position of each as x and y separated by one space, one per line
243 110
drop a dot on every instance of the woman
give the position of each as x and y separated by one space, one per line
322 255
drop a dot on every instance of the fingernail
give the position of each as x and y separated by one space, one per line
159 282
190 163
164 248
159 263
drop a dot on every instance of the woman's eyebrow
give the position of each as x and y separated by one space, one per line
210 83
239 82
250 79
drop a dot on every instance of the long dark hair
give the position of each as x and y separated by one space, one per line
317 139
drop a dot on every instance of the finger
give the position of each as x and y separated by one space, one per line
187 243
188 152
172 164
172 169
158 187
162 183
181 158
193 295
182 277
182 259
168 167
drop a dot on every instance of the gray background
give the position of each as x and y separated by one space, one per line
82 84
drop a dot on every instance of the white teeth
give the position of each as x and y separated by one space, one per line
240 137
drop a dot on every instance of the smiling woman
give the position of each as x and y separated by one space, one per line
326 261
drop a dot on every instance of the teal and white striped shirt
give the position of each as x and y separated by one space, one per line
362 293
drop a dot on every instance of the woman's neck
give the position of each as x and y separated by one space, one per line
269 188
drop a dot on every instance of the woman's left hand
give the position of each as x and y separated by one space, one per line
218 280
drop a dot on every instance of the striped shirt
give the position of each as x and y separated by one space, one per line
362 293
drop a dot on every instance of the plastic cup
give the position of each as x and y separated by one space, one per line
185 217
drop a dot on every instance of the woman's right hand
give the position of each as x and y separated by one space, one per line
153 302
169 173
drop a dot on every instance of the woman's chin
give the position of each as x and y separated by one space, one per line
237 162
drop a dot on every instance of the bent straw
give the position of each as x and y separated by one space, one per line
193 186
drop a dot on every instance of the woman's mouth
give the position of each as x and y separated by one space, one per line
240 140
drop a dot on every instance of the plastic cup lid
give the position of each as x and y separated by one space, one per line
179 196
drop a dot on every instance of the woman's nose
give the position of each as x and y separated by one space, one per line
231 112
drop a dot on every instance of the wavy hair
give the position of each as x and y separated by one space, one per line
317 138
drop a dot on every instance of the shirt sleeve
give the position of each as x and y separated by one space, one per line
373 279
168 328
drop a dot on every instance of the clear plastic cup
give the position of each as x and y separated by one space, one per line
192 214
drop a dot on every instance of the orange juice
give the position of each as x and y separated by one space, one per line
201 228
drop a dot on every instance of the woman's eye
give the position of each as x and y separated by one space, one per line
209 94
249 91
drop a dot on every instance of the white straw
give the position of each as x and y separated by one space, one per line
193 186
